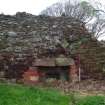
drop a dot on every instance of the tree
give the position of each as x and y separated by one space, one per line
81 11
84 11
97 28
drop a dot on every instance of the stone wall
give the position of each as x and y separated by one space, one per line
26 34
25 37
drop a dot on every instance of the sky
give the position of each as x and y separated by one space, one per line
29 6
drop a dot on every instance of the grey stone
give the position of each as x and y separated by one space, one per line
38 34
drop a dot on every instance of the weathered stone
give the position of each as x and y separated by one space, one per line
38 32
40 37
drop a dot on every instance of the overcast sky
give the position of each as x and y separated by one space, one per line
30 6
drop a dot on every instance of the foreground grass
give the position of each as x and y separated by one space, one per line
21 95
92 100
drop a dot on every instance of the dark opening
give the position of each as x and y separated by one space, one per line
56 72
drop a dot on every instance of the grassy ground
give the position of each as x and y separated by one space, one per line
87 100
92 100
23 95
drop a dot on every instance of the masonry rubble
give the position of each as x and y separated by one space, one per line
37 36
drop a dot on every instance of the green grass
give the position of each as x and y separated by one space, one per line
77 99
92 100
21 95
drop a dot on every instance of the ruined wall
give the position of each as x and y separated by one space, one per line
26 34
27 37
